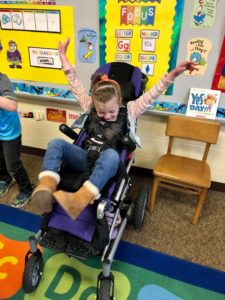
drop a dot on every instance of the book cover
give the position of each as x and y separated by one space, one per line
203 103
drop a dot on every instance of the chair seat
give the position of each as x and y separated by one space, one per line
183 169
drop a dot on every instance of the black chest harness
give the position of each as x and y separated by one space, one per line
103 134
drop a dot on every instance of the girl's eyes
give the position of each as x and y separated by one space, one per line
110 112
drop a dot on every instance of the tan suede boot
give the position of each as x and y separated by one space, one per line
43 193
74 203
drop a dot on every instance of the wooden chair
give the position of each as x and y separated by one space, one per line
182 173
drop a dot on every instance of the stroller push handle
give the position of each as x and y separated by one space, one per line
68 131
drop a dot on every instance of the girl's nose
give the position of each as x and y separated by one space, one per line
107 116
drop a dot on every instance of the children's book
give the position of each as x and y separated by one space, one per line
203 103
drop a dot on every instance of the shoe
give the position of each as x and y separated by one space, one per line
22 199
43 193
74 203
4 187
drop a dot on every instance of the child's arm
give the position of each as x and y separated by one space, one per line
142 104
7 95
76 85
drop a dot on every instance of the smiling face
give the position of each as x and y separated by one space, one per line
12 47
106 98
107 111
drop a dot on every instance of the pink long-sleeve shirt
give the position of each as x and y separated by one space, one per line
135 107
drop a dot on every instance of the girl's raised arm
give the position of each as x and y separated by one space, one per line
76 85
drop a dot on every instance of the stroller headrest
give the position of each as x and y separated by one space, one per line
130 78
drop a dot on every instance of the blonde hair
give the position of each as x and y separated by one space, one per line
103 89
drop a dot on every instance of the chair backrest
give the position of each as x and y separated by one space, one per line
130 78
202 130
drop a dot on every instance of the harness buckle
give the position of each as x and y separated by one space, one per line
95 148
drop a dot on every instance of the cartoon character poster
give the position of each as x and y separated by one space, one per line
87 45
14 56
219 76
142 33
197 51
204 13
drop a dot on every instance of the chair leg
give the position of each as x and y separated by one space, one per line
199 206
153 194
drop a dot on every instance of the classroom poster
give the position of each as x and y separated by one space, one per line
198 50
144 33
29 41
204 13
87 39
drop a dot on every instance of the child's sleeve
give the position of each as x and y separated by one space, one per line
78 89
144 102
6 89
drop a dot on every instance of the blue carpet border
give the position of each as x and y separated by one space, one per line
152 260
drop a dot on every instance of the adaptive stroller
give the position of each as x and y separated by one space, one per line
98 229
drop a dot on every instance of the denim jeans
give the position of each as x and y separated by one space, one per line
11 164
59 151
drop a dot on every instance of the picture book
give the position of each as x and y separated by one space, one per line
203 103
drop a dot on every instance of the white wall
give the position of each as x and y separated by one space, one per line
151 129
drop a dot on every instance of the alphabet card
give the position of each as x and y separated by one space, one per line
203 103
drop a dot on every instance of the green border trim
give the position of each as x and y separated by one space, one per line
179 9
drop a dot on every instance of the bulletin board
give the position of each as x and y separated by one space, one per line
205 24
142 33
29 38
196 34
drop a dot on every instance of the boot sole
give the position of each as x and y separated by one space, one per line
44 200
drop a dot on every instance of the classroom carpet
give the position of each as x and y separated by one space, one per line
140 273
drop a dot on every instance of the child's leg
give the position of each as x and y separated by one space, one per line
6 180
4 174
58 150
12 151
105 167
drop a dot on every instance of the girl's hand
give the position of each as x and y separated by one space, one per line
63 47
186 65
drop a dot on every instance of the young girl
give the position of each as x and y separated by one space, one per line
106 100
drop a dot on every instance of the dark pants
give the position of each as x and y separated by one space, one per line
11 164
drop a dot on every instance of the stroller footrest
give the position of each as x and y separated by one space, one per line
61 241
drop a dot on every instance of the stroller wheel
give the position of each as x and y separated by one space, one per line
105 290
32 273
140 206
